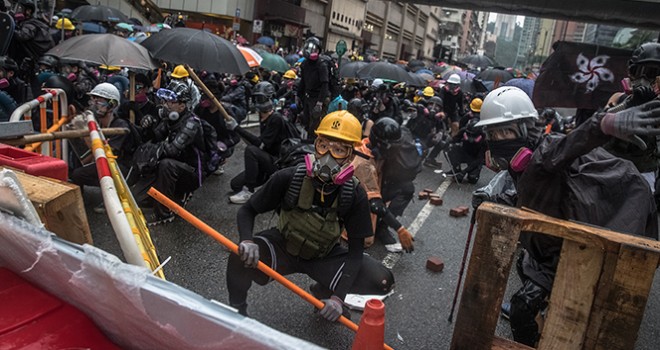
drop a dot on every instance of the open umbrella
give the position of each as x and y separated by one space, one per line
383 70
197 48
424 75
252 58
108 49
93 28
495 74
424 71
526 85
98 13
416 80
451 70
478 61
349 70
266 40
291 59
273 62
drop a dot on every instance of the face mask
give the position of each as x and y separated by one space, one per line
505 154
141 98
641 82
314 56
4 83
327 170
166 113
205 103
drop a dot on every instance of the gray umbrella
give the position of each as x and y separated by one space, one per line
383 70
478 61
98 13
199 49
108 49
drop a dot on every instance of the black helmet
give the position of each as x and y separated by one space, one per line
8 63
355 107
645 54
263 96
61 82
436 100
28 4
181 89
49 61
384 132
312 48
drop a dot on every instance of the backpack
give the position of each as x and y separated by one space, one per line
292 152
403 161
334 82
292 131
212 153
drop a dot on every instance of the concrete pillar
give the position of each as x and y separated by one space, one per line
383 30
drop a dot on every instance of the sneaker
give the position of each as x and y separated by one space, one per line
432 163
394 248
99 209
154 219
219 171
241 197
186 199
506 310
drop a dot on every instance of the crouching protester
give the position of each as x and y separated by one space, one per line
563 176
316 199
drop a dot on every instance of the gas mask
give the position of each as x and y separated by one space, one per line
165 113
312 51
327 170
508 154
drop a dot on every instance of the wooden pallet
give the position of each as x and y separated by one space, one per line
598 297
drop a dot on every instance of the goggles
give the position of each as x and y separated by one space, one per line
167 95
338 150
646 71
98 102
260 98
311 48
139 86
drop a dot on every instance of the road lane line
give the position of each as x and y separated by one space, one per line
392 258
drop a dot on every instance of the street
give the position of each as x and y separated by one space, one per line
417 311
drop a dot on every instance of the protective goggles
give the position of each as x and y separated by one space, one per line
646 71
311 48
98 102
338 150
167 95
260 98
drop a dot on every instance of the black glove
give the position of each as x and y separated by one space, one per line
377 206
641 95
249 253
628 123
148 121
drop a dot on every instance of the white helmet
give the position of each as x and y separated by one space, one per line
454 79
506 104
106 91
376 83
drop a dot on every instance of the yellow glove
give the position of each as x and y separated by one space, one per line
406 239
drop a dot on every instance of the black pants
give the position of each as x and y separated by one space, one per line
398 194
173 178
373 278
310 119
526 303
458 155
259 166
87 175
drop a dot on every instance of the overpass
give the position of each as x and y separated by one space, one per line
627 13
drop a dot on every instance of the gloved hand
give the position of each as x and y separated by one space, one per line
406 239
148 121
479 197
377 206
231 124
641 95
249 253
628 123
318 107
332 308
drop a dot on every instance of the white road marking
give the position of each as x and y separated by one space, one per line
392 258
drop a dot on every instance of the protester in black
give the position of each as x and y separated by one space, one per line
314 88
32 35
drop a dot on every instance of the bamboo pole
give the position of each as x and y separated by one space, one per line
208 93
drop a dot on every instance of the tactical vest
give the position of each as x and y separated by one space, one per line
311 231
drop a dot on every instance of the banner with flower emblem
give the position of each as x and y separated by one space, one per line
578 75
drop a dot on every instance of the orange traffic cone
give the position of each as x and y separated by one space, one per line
371 332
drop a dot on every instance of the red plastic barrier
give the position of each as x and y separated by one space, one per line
33 163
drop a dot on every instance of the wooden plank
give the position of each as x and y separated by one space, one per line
572 297
506 344
624 307
602 293
485 282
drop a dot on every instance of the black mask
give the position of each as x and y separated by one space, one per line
504 150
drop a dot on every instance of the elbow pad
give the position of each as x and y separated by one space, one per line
377 206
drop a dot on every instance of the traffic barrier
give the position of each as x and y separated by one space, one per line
371 332
33 163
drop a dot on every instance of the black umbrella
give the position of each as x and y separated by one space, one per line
415 65
199 49
383 70
478 61
98 13
416 80
349 70
108 49
495 74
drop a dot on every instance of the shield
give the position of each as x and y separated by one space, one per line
252 58
349 70
197 48
273 62
496 75
108 49
480 61
98 13
385 71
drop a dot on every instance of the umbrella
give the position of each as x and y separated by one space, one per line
416 63
517 73
383 70
292 58
252 58
98 13
416 80
424 71
424 75
197 48
439 69
91 27
526 85
451 70
273 62
495 74
108 49
266 40
478 61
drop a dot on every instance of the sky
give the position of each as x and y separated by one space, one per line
519 19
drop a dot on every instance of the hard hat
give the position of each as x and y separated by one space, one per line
341 125
475 105
110 68
67 24
454 79
376 83
290 74
180 72
49 61
428 91
506 104
106 91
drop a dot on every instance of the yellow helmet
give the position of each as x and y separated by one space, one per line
180 72
290 74
475 105
341 125
428 92
110 68
67 24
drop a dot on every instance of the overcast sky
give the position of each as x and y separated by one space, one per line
519 19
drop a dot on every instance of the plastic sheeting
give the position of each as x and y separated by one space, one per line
133 308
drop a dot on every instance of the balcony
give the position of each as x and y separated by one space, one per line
280 11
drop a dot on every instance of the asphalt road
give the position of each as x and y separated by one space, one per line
417 312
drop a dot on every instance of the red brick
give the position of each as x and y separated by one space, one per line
428 190
435 264
423 195
459 211
435 200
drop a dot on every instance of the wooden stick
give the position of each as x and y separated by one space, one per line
200 225
208 93
57 135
